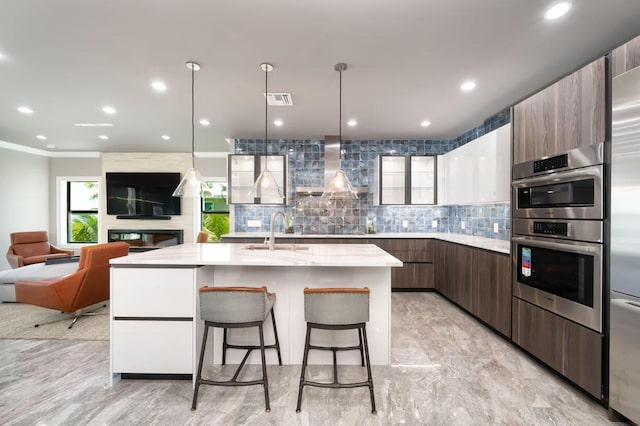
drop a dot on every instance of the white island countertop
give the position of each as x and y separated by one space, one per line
334 255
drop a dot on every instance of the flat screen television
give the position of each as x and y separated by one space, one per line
142 194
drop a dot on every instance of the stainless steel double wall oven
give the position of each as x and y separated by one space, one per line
558 217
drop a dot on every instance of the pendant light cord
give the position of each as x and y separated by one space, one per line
266 108
340 116
193 126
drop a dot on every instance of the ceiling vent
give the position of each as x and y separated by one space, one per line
279 99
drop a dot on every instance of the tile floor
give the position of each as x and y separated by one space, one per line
447 369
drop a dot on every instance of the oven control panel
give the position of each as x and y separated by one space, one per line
551 228
553 163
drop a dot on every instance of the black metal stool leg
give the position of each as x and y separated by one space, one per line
361 351
275 334
224 346
304 367
265 381
199 374
369 377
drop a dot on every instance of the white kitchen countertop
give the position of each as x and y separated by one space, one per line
193 254
499 246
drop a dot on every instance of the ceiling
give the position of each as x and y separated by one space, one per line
66 59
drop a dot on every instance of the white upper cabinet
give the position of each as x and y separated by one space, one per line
478 171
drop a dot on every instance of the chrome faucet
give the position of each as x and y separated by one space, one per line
272 238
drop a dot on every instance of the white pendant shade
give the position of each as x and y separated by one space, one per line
266 187
190 185
340 188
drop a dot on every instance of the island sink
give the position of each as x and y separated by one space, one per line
292 247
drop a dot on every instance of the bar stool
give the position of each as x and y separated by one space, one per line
337 309
237 307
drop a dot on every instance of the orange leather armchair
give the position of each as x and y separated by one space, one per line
32 247
87 286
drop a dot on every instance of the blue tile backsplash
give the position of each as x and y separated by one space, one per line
313 215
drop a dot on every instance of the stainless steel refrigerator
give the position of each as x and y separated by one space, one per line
624 367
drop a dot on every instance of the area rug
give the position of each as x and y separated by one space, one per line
17 321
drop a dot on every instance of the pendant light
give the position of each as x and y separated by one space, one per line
191 183
266 186
340 188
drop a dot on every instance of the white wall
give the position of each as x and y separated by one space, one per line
212 167
24 196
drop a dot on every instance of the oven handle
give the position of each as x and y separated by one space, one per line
580 249
558 177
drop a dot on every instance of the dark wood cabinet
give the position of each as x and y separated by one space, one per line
417 272
491 286
566 115
572 350
477 280
625 57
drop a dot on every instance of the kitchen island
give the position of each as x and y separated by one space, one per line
155 323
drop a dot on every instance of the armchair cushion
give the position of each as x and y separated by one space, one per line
32 247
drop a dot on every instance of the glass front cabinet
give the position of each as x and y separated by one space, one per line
243 170
402 180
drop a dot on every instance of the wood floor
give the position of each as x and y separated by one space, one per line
447 369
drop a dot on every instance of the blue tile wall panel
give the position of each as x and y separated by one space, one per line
313 215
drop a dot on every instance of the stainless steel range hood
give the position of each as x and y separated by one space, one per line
331 166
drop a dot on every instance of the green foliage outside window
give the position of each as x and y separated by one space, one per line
216 225
84 227
82 211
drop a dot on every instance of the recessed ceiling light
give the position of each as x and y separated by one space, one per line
25 110
109 110
42 137
352 123
103 137
159 86
557 10
278 122
1 56
204 122
50 145
468 85
93 124
165 137
425 123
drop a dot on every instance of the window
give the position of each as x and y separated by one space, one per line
215 210
81 211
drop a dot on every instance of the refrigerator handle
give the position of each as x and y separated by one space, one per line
628 304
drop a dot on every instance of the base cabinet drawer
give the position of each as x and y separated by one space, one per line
158 347
570 349
413 275
146 292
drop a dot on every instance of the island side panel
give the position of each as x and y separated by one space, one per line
288 283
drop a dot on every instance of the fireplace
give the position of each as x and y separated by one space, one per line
146 239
